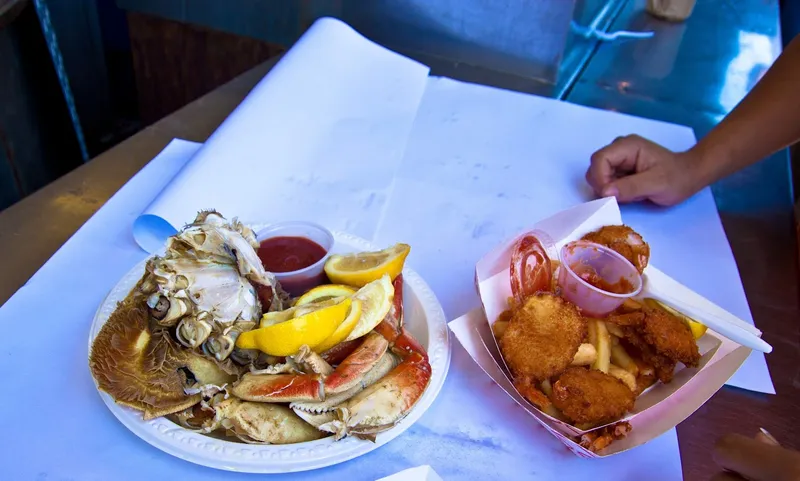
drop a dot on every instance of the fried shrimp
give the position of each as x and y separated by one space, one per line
591 396
670 337
542 338
662 341
625 241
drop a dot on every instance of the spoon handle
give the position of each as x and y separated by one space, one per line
731 327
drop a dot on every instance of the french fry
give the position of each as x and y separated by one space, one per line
621 358
623 375
547 388
603 347
646 369
615 330
592 331
585 356
498 328
631 305
553 411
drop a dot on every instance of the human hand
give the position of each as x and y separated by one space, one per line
632 169
760 458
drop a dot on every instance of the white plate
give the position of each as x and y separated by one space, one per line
424 318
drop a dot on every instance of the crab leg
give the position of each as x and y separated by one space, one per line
357 364
387 362
380 406
322 383
279 388
339 352
391 327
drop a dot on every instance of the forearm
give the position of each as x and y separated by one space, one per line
765 121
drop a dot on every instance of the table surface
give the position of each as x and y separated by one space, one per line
759 224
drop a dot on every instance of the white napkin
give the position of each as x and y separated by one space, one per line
420 473
335 113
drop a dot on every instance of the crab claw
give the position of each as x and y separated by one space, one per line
281 388
262 423
357 364
392 329
382 405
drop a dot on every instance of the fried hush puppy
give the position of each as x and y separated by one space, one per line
541 338
625 241
590 396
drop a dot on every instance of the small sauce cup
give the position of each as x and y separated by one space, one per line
297 282
604 265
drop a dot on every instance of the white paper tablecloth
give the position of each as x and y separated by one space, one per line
62 430
479 164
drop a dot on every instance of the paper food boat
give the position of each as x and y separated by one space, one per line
659 408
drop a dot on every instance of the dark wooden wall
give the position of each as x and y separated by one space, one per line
175 63
37 140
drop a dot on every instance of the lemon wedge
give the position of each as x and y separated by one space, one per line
344 329
364 267
286 338
276 317
697 329
323 293
376 299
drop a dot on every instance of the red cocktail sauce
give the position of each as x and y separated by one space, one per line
590 275
287 254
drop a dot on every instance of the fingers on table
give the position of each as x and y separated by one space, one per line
606 163
757 460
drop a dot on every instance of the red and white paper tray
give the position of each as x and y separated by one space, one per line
659 408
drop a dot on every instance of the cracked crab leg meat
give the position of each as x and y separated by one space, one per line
357 364
280 388
382 405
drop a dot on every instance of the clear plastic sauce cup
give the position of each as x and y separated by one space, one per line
583 261
297 281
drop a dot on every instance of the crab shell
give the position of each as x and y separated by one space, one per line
261 423
206 284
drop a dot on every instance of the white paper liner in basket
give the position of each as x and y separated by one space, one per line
660 407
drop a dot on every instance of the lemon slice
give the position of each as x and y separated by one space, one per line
376 300
697 329
272 318
323 293
364 267
344 329
276 317
286 338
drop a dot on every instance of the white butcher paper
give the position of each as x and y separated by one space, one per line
319 138
483 163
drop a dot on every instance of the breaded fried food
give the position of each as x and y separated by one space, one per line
629 319
590 396
624 240
664 366
533 394
542 337
670 337
599 439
